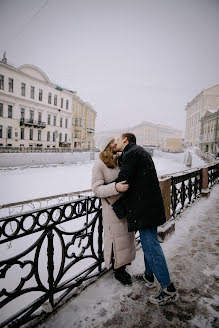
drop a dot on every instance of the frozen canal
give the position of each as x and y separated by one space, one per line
25 183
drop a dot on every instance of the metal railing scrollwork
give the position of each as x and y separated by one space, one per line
54 250
185 189
212 175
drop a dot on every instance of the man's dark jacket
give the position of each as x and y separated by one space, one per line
143 200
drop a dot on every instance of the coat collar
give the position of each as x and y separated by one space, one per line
129 146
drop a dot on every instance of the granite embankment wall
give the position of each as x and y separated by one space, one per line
29 159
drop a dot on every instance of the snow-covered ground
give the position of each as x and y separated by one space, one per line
193 261
26 183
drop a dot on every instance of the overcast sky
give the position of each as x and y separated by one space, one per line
133 60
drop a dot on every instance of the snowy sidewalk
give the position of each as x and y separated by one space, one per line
193 260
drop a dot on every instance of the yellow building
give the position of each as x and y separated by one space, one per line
83 124
173 145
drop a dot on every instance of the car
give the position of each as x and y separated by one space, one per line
149 149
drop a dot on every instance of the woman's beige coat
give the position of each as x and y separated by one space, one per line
116 233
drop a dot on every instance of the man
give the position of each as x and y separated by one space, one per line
145 212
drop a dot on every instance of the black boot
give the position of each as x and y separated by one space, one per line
123 276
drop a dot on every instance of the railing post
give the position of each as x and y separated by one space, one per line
100 241
165 186
218 170
205 190
50 266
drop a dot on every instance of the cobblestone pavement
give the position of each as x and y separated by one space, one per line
193 261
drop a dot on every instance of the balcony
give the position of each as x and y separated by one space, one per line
30 122
64 144
90 130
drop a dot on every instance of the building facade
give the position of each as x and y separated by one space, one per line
154 134
147 134
195 110
83 124
210 131
34 112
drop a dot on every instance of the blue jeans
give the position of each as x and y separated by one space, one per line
155 262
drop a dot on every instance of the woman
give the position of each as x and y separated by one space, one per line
119 244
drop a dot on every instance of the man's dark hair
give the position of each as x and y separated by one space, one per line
130 137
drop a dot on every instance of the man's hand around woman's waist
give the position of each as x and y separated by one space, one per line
121 186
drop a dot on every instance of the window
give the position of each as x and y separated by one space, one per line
9 132
54 120
49 98
1 129
55 100
54 136
31 134
76 121
22 133
61 122
32 90
9 111
61 102
39 117
31 116
23 89
60 137
1 110
49 119
22 113
48 135
40 94
1 82
39 135
66 104
66 137
66 122
10 85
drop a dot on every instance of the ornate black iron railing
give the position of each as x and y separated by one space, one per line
185 189
213 173
53 250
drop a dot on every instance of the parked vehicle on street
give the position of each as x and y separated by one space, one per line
149 149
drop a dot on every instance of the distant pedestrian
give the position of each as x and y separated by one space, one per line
145 212
119 243
189 159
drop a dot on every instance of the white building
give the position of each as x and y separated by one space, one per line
33 111
146 133
154 134
195 110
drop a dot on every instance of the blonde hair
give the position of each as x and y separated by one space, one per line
107 157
